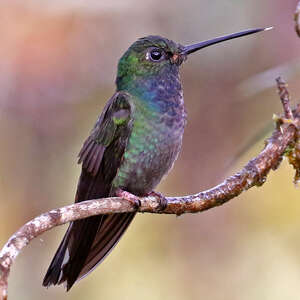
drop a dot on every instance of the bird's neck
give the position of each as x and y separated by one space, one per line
153 91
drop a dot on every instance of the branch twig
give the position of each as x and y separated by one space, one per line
285 98
297 19
253 174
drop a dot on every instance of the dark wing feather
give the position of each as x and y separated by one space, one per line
88 241
111 231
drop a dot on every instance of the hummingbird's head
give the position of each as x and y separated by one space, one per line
149 56
154 55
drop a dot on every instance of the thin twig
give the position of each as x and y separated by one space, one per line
285 98
253 174
297 19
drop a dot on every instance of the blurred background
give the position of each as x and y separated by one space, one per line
57 69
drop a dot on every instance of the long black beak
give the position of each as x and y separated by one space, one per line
195 47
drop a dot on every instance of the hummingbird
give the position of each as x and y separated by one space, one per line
132 146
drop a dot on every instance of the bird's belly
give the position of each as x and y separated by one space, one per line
150 154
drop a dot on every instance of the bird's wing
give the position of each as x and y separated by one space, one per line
111 129
88 241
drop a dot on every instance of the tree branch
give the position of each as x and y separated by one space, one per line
254 173
297 19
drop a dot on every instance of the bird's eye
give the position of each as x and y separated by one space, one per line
156 54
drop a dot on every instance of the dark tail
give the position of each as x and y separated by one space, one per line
88 241
85 245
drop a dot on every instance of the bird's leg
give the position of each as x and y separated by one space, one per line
129 197
163 203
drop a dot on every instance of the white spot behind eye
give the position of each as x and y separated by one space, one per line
148 55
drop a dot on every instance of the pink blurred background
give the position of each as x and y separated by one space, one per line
57 69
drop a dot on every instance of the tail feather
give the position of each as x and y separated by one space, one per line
86 243
111 231
53 273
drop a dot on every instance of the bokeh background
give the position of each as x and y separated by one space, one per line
58 63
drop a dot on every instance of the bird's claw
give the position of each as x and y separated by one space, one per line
163 203
134 200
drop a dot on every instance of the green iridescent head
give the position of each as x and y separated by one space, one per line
146 57
154 55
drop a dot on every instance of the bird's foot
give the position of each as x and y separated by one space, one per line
163 203
134 200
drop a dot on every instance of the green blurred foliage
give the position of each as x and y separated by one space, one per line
58 64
